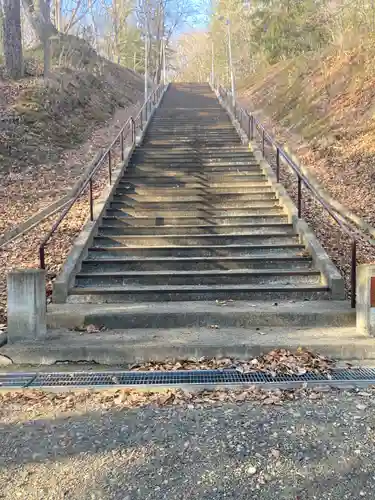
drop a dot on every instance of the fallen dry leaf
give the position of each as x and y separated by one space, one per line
278 361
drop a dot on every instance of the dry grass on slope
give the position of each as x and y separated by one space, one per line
323 105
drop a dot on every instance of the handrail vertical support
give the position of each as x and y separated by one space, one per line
263 143
278 164
353 273
91 201
133 129
110 167
42 258
299 197
122 145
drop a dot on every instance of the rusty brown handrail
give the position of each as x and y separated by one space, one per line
250 124
129 126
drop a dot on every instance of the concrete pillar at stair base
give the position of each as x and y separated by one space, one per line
26 305
365 306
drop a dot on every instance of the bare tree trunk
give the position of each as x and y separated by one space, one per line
45 7
57 10
12 38
41 24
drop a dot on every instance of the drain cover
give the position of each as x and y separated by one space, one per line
193 377
204 378
16 380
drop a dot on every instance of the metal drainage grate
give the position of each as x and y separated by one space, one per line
16 380
205 378
193 377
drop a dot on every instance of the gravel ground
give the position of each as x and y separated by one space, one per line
319 446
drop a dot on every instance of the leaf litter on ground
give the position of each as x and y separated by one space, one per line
275 362
32 399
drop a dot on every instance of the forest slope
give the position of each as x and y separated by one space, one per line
44 124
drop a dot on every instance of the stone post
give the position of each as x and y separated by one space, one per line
365 307
26 305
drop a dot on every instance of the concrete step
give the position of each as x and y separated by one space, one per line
204 171
203 204
207 198
118 210
218 151
161 222
128 345
222 148
196 293
177 189
104 264
164 178
107 229
274 277
243 315
194 141
191 154
201 168
136 252
195 162
195 240
197 135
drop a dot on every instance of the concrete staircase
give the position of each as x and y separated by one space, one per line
195 218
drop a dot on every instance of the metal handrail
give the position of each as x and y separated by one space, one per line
129 126
250 124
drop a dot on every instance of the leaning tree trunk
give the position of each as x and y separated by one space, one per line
12 38
39 20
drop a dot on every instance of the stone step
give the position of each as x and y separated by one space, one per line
108 229
197 293
161 222
103 263
195 240
136 252
274 277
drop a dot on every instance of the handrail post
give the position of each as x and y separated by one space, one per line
42 257
299 197
278 164
263 149
133 129
91 201
122 145
110 167
353 273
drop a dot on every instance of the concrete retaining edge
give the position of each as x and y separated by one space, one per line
65 279
320 258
